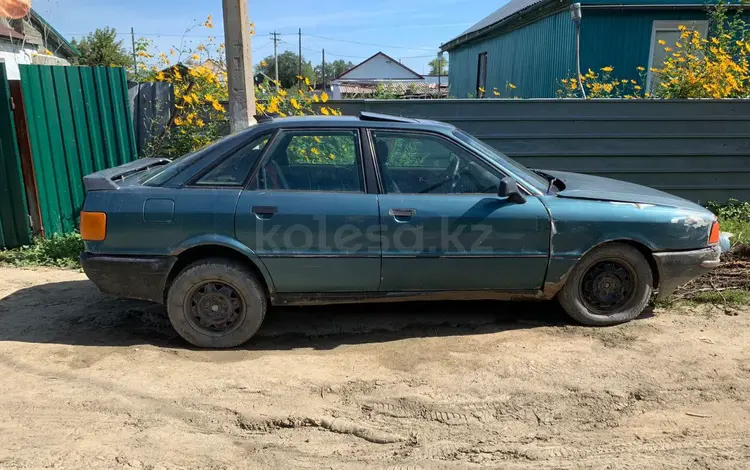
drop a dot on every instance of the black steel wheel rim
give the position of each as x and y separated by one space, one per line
215 307
608 286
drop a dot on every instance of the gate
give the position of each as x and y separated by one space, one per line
78 123
14 222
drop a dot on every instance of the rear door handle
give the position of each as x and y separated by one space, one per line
265 212
402 213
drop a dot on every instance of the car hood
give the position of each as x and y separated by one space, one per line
580 186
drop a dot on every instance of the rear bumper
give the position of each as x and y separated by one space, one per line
141 278
681 267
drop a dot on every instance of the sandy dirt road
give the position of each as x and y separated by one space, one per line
91 382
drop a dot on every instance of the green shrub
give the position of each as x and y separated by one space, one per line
59 251
734 217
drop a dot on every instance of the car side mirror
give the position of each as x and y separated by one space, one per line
509 188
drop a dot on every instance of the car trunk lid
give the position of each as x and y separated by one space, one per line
119 176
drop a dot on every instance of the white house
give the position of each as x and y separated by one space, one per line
381 72
31 40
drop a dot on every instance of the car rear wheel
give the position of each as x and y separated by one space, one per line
611 284
216 303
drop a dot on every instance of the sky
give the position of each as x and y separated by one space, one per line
407 30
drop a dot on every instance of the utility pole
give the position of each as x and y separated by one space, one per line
239 64
276 53
300 53
440 69
135 60
324 69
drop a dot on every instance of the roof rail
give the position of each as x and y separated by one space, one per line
368 116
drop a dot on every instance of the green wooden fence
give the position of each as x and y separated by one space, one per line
14 222
79 122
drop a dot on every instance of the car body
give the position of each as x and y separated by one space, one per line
378 208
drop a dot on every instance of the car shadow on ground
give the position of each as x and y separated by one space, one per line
75 313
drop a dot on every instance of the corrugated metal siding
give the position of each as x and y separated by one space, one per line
622 38
659 2
531 57
14 223
79 122
699 150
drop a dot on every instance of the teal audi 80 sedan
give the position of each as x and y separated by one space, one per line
316 210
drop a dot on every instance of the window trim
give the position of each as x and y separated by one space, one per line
478 159
279 135
669 25
193 182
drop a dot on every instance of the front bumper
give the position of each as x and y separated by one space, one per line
130 277
680 267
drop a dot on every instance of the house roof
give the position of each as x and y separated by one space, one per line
51 33
34 30
6 32
502 13
416 75
517 7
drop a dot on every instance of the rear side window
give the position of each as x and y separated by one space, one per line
313 161
234 170
164 173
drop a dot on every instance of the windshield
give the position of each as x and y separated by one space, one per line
503 160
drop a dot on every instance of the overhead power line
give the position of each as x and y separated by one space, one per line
373 45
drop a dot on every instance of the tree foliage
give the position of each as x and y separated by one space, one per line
333 70
438 66
288 69
101 48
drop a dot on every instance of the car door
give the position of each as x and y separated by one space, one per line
308 216
445 228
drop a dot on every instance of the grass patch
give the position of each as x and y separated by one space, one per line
739 229
732 297
734 217
59 251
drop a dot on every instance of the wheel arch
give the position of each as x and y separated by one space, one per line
642 247
219 247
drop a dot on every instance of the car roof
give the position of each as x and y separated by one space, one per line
365 119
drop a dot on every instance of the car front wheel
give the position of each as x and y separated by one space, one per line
611 284
216 303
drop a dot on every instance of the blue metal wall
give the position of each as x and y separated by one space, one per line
532 57
696 149
622 38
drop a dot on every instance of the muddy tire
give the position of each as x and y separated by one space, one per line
611 284
216 303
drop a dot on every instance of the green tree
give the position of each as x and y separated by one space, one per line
288 69
102 48
438 66
333 70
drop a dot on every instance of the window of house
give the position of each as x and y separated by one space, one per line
426 164
234 170
313 161
667 32
482 75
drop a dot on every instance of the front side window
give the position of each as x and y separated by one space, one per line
234 170
428 164
313 161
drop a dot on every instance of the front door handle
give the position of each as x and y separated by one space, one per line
402 213
265 212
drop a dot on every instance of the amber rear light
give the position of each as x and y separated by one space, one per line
713 237
93 226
